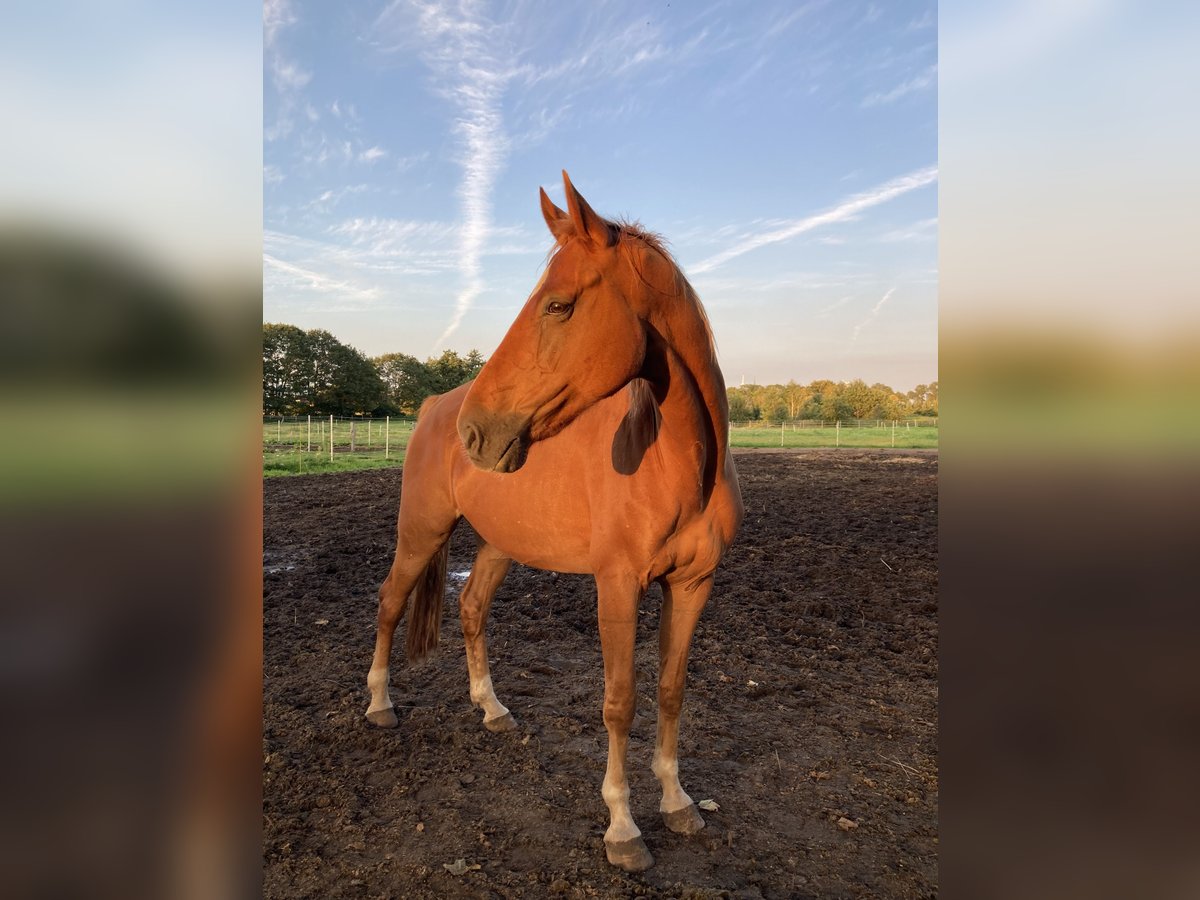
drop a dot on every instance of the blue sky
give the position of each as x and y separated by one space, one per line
788 153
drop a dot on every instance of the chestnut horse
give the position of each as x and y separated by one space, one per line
593 441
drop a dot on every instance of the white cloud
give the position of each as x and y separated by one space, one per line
277 15
845 210
927 20
926 79
287 77
288 276
404 163
372 153
398 237
922 230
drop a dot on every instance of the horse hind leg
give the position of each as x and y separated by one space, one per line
681 610
491 566
420 554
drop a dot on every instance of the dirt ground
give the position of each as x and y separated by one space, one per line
810 714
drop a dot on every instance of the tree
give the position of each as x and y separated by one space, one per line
286 365
314 372
740 407
406 382
450 370
344 383
835 407
859 398
796 396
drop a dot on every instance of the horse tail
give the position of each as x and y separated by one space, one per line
425 610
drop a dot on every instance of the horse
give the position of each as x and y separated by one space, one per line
594 441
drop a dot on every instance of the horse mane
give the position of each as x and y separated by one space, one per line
630 235
629 231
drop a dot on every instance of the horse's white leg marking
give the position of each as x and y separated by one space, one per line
377 682
666 769
680 611
618 603
615 791
483 696
474 604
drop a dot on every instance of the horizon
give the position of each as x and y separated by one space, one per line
728 382
788 155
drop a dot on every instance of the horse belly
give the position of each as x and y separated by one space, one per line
538 521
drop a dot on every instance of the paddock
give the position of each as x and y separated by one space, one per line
809 718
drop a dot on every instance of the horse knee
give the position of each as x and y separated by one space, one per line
670 698
618 712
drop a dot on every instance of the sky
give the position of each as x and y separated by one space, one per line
787 152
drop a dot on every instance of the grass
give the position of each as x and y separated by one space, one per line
910 438
285 444
293 462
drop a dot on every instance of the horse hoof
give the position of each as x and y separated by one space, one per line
632 855
501 723
383 718
684 821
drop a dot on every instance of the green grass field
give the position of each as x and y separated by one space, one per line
908 437
286 444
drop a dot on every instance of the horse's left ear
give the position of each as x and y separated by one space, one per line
557 221
588 223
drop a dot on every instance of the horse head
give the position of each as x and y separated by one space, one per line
577 339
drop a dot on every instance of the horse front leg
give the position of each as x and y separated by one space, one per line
618 599
681 610
486 575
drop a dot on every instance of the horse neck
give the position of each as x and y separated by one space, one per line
691 365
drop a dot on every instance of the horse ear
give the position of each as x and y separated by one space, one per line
588 223
556 220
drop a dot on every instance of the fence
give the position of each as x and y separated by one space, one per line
914 433
302 444
328 443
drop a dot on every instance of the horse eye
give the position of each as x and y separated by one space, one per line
557 307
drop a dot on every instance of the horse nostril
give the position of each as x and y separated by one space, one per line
472 438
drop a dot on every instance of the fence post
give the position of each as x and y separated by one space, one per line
331 437
387 436
781 433
837 433
893 432
279 431
353 434
310 432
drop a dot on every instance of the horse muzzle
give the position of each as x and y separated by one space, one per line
495 443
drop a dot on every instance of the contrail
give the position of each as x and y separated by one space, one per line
484 156
460 49
872 314
844 210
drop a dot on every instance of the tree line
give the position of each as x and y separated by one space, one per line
829 401
312 372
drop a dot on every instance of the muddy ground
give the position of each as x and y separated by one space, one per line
810 715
